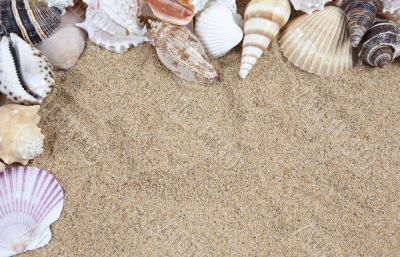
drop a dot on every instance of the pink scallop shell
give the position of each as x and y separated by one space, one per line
30 201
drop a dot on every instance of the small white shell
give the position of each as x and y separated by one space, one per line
309 6
64 47
30 201
60 4
113 24
25 73
217 30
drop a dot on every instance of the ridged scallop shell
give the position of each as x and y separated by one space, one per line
30 201
26 75
318 43
217 30
114 24
32 22
309 6
20 138
360 16
262 21
380 45
181 52
178 12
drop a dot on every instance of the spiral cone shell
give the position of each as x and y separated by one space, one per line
380 45
318 43
262 21
360 16
20 138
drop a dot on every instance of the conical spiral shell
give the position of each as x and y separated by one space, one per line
32 22
182 52
262 21
360 16
318 43
380 45
20 138
30 201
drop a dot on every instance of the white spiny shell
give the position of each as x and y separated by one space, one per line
309 6
181 52
319 42
114 24
392 7
262 21
30 201
20 138
25 73
217 30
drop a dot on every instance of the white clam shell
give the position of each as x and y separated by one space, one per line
30 201
309 6
114 24
319 43
217 30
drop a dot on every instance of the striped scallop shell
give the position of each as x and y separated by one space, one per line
32 22
30 201
318 43
262 21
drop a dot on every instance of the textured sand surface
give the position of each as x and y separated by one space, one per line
283 163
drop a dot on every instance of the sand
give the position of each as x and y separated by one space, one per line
282 164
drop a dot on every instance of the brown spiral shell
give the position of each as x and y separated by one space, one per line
360 16
380 45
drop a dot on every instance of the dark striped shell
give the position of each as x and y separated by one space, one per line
360 16
28 20
380 45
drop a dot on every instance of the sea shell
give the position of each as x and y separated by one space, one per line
309 6
262 21
114 24
2 167
380 45
60 4
25 73
217 30
64 48
178 12
360 16
181 52
319 42
30 201
20 137
28 20
392 7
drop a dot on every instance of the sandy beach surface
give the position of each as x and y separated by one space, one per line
282 164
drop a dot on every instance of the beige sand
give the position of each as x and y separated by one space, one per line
284 163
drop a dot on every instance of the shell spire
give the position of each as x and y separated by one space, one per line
262 21
380 45
20 138
360 16
28 20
